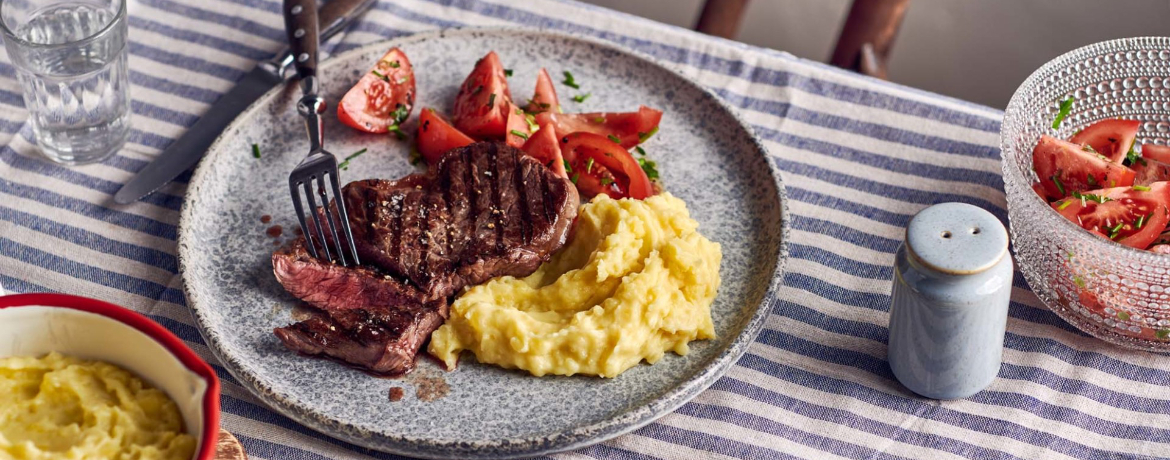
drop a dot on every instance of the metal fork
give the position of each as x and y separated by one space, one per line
316 175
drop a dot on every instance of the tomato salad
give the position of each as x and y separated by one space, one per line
1104 181
590 149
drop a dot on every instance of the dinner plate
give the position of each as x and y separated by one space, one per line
706 155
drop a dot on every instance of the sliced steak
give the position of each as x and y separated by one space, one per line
367 318
482 211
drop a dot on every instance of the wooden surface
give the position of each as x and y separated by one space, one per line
228 447
721 17
868 36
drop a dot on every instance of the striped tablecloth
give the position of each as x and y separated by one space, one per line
860 157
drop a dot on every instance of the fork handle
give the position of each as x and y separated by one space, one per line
300 21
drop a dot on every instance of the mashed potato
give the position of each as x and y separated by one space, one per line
58 407
637 280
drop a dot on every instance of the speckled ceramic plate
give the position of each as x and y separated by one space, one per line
707 156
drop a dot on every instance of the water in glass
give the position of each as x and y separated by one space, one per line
75 87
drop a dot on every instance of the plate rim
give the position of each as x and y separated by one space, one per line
573 439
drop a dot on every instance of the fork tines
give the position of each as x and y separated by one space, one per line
310 177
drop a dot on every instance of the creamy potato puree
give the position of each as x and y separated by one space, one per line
59 407
636 281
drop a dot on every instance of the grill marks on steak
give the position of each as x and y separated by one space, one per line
482 211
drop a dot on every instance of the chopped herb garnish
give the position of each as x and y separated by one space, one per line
1090 149
581 98
403 80
1080 282
569 81
345 164
1141 220
415 157
519 134
1059 184
379 75
650 167
1134 156
615 139
507 72
575 177
1084 197
606 181
255 150
1063 205
598 120
400 113
1141 188
568 169
492 100
1116 228
394 128
1162 333
642 137
589 165
1065 108
395 64
1092 180
531 120
638 149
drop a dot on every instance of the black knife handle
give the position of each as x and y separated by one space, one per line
300 21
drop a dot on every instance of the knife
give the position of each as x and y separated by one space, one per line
185 152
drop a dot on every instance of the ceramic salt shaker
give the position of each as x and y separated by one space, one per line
948 312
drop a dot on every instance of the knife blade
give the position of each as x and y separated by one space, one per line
186 151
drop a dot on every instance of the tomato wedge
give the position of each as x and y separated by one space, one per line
599 165
481 107
545 97
1149 170
1064 168
1133 217
1111 138
1156 152
544 147
383 98
630 128
518 129
436 136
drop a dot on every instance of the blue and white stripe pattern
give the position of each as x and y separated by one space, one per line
859 156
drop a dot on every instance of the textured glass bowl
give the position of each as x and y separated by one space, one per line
1114 292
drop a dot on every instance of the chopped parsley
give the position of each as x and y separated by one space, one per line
1134 156
1086 197
1116 228
492 100
1059 184
519 134
415 157
1162 333
1141 220
1141 188
581 97
255 150
394 64
345 164
1090 149
1123 315
507 72
615 139
642 137
638 149
1065 108
598 120
589 165
397 130
650 167
379 75
569 81
606 181
575 177
568 169
400 113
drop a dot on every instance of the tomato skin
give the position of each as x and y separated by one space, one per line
436 136
1074 165
1125 206
629 180
1149 170
518 131
628 127
370 104
481 107
1156 152
544 147
544 99
1110 137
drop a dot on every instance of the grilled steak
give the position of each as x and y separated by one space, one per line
482 211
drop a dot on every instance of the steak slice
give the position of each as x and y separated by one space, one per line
484 210
367 318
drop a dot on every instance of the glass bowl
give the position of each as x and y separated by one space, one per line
1113 292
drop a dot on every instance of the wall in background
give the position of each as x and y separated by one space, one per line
978 50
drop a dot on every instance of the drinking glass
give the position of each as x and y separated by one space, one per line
70 58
